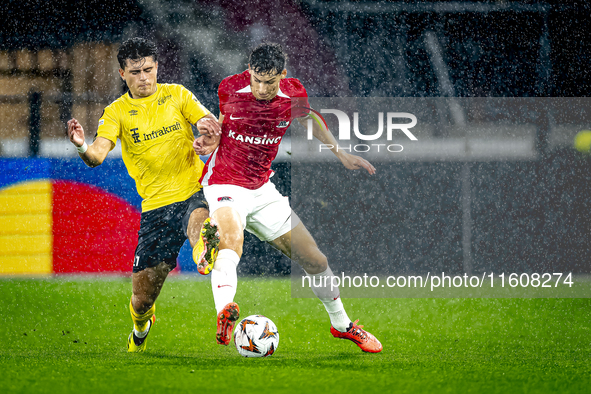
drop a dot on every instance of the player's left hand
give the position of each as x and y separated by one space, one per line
205 144
209 125
353 162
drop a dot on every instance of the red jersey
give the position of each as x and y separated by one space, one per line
252 131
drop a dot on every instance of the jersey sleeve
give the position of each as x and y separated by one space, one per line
108 125
299 99
191 108
300 107
223 94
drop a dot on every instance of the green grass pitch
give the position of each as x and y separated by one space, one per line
63 335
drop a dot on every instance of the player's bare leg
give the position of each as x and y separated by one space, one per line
146 286
299 245
230 227
196 220
223 276
198 232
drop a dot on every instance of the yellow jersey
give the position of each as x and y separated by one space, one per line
157 142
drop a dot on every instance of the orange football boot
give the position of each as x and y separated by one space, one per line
365 340
226 320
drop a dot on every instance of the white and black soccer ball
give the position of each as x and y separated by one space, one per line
256 336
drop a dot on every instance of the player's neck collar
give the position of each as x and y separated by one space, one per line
144 99
247 89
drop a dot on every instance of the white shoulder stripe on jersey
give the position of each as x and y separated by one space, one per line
205 180
281 94
248 90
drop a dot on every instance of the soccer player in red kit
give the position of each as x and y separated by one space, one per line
256 108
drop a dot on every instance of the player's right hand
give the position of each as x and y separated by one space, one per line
205 145
353 162
75 132
209 125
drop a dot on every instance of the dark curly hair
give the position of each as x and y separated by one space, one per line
136 48
267 58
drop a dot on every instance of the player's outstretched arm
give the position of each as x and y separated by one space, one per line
93 155
352 162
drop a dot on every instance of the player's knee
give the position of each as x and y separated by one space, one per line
142 302
316 263
198 216
232 241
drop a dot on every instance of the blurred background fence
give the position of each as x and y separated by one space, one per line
59 61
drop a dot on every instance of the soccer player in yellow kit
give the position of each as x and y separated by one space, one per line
153 122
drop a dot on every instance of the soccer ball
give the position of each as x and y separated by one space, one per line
256 336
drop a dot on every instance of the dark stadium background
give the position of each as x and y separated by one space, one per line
529 215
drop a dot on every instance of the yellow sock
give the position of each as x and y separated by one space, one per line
141 321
